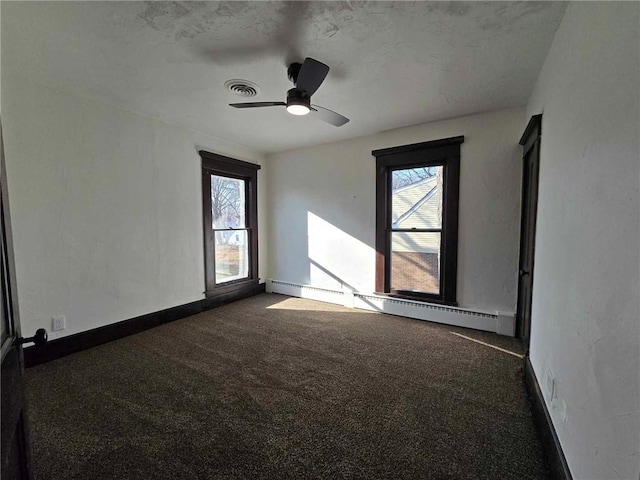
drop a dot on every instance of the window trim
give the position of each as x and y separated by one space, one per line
445 152
215 164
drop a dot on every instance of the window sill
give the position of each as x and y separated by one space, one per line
234 286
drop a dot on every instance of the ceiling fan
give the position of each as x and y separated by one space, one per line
307 78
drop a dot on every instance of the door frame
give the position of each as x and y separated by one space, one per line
14 438
530 142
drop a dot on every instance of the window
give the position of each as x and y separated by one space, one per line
230 213
417 220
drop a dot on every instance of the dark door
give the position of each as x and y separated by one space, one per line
531 160
14 446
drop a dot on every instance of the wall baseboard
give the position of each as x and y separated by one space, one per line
61 347
500 322
550 442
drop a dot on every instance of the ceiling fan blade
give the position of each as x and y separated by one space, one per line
312 74
328 116
238 49
257 104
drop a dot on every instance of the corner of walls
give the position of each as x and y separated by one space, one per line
322 209
585 347
319 211
106 208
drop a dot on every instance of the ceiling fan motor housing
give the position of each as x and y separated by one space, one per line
298 97
293 71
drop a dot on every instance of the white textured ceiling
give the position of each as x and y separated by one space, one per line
393 64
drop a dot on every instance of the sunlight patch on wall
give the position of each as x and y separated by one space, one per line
337 260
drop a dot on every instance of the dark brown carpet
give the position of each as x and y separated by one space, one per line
279 388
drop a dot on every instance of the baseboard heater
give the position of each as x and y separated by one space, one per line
499 322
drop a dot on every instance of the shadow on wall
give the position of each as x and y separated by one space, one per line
337 259
316 265
372 305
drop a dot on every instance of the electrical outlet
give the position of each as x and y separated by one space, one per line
58 323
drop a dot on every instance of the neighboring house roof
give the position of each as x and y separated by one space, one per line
418 205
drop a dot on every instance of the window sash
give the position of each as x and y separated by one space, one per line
243 183
415 262
417 230
222 278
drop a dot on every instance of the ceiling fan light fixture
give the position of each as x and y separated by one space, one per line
298 103
297 109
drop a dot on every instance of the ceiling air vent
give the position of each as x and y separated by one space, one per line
242 88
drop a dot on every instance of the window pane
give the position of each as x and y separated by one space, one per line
416 198
231 255
227 202
415 261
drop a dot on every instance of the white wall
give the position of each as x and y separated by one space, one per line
106 208
586 315
321 203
